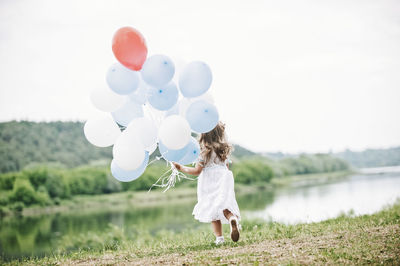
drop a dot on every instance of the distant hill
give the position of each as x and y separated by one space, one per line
241 152
362 159
23 143
371 157
278 155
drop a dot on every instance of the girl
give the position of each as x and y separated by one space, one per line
215 185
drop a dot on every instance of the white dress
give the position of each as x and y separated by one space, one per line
215 192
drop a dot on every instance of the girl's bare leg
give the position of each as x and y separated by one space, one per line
234 226
217 227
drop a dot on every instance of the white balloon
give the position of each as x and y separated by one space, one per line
145 129
106 100
174 132
128 152
152 148
101 131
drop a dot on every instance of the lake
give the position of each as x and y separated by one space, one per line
355 195
358 194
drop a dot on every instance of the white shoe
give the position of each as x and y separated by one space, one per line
235 228
219 240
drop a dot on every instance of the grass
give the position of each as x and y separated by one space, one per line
367 239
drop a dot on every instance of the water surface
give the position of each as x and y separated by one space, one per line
358 194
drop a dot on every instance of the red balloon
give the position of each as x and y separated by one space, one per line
129 48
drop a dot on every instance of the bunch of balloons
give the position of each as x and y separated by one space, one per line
142 99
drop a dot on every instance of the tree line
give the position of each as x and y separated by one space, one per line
47 185
43 163
372 157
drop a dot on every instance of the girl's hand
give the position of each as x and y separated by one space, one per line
188 170
177 166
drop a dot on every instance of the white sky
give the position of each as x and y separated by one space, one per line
288 75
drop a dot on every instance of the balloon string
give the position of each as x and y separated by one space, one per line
149 112
157 118
157 158
169 178
158 180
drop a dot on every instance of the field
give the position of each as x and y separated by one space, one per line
367 239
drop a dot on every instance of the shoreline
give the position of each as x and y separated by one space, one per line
182 194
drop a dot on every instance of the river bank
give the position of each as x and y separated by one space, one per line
366 239
182 194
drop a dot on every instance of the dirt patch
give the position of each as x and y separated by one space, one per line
373 245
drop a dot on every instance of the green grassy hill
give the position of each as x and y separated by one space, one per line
24 143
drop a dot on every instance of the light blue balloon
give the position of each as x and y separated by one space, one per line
202 116
172 155
173 111
129 111
158 70
121 79
193 151
163 98
127 176
195 79
139 96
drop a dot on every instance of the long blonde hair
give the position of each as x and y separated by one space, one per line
215 140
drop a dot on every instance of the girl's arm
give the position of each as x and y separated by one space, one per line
189 170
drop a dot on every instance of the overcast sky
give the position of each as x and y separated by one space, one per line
289 76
